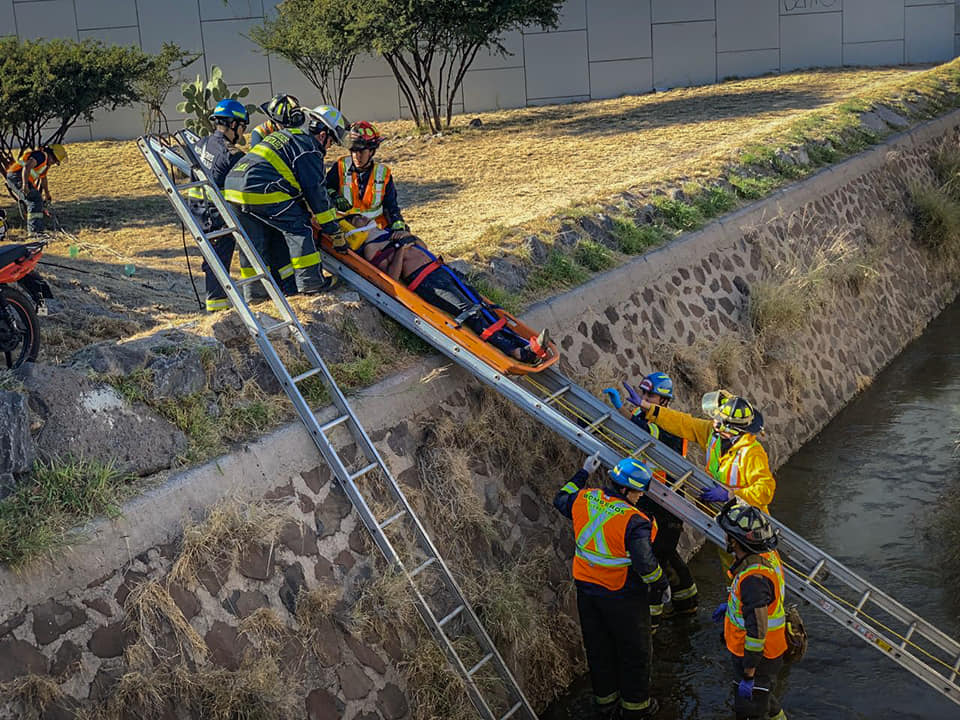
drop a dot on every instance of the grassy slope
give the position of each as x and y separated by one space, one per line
521 165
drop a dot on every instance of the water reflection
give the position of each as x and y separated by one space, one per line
865 490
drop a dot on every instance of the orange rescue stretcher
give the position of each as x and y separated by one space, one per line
460 334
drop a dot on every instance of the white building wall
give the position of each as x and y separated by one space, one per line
601 48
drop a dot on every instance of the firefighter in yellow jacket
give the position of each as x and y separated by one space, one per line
735 458
754 619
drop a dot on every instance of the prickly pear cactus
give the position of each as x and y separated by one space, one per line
199 99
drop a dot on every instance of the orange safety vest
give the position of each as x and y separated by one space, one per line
599 526
35 178
265 128
734 629
371 204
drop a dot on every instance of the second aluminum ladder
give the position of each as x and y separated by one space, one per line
489 682
585 421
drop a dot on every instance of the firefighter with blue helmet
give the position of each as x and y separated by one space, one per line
218 153
657 388
617 577
279 189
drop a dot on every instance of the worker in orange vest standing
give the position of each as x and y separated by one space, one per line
617 577
754 619
29 176
360 186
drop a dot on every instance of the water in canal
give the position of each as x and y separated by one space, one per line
865 490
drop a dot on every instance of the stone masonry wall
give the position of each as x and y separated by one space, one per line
671 309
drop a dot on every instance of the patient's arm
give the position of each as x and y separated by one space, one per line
396 263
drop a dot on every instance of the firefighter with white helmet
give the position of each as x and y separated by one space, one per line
279 189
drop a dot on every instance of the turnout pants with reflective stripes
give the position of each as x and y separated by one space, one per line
284 238
616 635
34 203
763 705
683 589
441 290
210 220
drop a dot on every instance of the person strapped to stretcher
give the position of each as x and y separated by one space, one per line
406 259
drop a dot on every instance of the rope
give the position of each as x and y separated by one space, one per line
624 445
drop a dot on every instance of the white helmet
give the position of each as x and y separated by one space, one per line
327 117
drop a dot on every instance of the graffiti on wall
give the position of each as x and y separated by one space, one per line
802 6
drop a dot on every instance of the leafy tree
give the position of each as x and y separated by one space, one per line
314 36
200 98
48 85
154 86
430 44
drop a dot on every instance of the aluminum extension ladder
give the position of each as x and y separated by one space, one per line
591 425
488 681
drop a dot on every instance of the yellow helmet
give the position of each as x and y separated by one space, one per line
59 152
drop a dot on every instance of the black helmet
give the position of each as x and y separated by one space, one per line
285 110
748 526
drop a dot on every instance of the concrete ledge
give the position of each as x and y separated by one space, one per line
157 517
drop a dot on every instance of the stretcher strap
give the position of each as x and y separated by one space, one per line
421 276
498 325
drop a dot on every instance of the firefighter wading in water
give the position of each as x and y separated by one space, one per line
617 579
754 620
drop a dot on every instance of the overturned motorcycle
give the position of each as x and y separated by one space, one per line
22 292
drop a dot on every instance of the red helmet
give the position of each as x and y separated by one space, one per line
364 135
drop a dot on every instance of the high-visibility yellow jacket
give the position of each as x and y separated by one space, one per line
744 468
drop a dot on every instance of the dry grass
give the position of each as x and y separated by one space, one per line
150 612
217 541
382 604
450 196
34 693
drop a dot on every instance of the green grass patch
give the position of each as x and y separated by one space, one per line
511 302
936 220
752 188
593 256
757 154
713 201
40 515
633 239
678 214
560 270
9 381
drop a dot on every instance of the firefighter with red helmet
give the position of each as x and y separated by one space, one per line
360 186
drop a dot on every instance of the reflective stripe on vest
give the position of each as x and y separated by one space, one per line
726 473
264 150
600 525
265 128
36 174
734 628
371 204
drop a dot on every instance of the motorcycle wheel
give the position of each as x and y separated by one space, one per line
19 329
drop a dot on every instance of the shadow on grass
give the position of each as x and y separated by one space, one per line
410 192
105 212
605 119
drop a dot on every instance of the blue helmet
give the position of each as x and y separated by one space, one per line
230 110
658 383
631 474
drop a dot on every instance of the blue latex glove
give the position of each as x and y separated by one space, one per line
715 494
632 394
613 395
745 689
718 614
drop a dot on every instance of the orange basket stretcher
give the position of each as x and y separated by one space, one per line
460 334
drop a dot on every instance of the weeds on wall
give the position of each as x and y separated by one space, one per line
41 515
